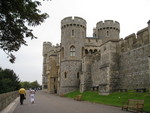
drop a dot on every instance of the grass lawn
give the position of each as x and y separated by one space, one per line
114 99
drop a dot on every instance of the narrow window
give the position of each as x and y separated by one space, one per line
95 51
65 75
72 32
82 33
107 33
78 75
86 51
62 52
72 51
90 51
82 51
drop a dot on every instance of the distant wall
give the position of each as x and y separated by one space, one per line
134 68
134 40
7 98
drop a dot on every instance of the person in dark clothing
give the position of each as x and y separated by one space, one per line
22 93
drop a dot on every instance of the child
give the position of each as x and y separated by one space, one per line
32 94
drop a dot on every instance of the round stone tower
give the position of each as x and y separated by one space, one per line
108 29
73 33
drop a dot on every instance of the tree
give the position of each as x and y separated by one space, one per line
28 85
25 84
16 16
35 84
9 81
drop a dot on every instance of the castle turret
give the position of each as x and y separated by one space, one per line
108 29
46 46
73 33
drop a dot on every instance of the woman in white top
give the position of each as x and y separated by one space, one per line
32 95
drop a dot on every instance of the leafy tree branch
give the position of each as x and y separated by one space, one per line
15 18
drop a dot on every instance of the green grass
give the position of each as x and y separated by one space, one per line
114 99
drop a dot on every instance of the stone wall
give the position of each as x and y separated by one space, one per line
105 69
85 79
70 74
7 98
53 74
134 41
134 68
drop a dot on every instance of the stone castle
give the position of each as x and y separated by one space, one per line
105 61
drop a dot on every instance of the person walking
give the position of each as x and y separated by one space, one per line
22 93
32 96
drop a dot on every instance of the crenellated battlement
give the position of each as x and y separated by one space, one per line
107 29
108 24
76 21
93 41
48 47
47 43
135 40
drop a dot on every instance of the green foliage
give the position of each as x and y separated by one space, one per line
15 17
27 85
9 81
114 99
34 84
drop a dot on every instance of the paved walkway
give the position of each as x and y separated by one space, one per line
48 103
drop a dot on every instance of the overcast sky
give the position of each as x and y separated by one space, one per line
132 15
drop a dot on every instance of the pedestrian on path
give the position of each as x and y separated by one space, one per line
32 96
22 93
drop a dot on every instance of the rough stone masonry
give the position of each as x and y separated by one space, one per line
104 62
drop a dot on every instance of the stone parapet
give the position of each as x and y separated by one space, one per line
108 29
108 24
134 41
7 98
76 21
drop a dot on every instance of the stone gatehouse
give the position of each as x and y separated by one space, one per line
105 61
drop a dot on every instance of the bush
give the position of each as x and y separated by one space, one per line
9 81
